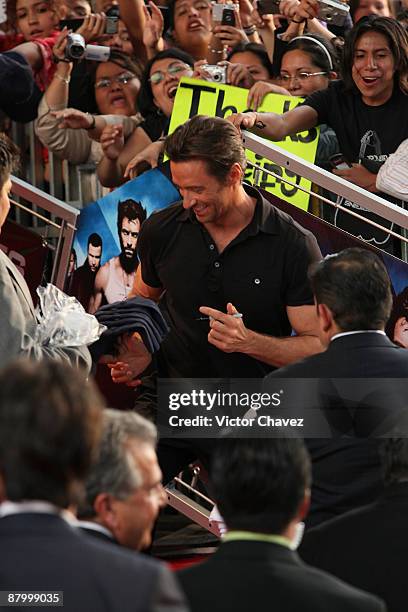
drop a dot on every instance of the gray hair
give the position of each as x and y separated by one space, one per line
115 471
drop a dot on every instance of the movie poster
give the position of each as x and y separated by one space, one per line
104 258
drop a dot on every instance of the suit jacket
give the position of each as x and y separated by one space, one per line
362 355
261 576
18 323
367 547
346 470
42 552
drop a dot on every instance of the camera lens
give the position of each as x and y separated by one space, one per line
76 51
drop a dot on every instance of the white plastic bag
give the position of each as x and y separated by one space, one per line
62 320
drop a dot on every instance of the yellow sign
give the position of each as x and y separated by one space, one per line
206 98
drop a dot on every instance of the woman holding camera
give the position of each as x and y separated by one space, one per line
66 132
367 111
159 86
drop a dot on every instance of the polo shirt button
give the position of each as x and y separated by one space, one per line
212 247
217 264
257 281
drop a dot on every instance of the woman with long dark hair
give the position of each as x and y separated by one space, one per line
367 110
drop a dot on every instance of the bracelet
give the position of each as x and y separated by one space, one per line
57 60
92 126
65 80
250 30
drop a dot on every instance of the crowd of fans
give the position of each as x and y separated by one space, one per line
81 107
80 484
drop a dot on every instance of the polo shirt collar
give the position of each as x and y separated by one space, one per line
264 219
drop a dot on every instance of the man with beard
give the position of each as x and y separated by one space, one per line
115 278
83 278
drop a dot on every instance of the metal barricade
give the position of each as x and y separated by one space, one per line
62 220
76 184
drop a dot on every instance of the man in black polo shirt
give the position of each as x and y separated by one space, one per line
224 250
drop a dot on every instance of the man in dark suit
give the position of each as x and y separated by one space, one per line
366 546
50 421
124 492
262 491
353 301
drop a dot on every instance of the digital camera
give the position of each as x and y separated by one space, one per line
333 12
216 74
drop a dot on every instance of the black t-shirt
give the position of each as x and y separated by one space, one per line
263 270
366 134
155 125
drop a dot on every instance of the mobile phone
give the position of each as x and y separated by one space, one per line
228 17
71 24
111 26
268 7
339 162
112 18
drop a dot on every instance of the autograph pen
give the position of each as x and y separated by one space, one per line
236 315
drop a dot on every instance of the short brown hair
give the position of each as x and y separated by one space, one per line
210 139
50 422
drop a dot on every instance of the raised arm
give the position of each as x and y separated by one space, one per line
277 127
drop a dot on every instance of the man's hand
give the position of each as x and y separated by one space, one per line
228 332
132 359
359 175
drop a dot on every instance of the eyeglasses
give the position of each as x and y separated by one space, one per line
300 76
159 76
120 79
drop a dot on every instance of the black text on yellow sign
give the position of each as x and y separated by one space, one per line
201 97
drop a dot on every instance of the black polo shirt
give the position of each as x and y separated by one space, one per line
263 270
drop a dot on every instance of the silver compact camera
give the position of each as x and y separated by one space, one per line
333 12
77 49
216 74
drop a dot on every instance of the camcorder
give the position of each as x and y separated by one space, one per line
77 49
216 74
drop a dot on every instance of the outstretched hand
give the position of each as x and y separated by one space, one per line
131 360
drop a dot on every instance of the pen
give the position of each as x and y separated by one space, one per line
236 315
